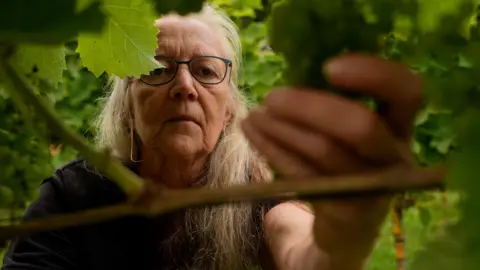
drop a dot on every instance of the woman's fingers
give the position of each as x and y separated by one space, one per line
346 121
391 82
311 130
283 161
313 148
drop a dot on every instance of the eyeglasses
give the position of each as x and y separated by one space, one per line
205 69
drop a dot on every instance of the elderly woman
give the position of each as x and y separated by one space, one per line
186 125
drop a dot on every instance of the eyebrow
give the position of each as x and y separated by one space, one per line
197 51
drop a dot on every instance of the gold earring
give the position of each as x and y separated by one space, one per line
132 142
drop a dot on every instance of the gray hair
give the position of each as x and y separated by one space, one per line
221 230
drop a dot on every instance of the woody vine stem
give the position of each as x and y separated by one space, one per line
149 199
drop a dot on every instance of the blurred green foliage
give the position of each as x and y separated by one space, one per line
24 151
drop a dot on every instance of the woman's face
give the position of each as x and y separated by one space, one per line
183 117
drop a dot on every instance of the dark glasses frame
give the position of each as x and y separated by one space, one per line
228 66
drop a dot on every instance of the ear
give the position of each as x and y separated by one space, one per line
127 88
228 116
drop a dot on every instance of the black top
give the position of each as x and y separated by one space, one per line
124 243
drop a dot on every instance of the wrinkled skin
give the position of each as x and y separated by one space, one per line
180 145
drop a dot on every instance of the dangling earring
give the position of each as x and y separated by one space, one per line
132 142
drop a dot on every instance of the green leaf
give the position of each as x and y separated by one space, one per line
459 248
46 61
443 144
47 23
239 4
425 216
239 8
6 196
431 12
463 62
127 46
5 136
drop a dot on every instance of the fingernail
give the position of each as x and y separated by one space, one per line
332 66
275 97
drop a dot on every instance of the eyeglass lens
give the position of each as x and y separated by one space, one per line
209 70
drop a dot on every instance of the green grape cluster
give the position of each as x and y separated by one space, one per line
309 32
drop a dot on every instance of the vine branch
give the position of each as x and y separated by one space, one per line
149 199
18 86
163 201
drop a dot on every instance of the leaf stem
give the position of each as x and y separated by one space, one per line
18 86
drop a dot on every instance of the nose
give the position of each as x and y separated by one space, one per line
183 87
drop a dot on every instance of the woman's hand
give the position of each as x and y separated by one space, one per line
307 133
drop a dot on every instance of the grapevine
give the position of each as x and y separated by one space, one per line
439 41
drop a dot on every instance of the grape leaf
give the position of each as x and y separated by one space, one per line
425 216
239 8
47 23
47 61
431 12
6 196
239 4
127 46
459 248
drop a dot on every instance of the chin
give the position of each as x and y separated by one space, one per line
180 145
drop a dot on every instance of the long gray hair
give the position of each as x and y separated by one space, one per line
222 232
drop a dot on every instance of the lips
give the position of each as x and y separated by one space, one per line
180 118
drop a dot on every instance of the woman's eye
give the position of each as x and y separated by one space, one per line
206 71
157 71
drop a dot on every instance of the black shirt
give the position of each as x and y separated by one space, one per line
124 243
